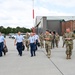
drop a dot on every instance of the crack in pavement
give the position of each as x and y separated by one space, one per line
55 65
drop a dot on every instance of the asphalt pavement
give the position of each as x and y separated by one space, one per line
13 64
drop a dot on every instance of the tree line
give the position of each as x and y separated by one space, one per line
14 30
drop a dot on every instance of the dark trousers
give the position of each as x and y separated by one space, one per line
1 48
53 43
32 49
36 44
19 48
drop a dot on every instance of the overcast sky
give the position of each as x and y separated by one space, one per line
19 12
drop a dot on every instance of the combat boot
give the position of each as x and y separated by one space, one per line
67 56
48 56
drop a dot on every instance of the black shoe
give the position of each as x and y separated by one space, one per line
34 54
0 55
31 55
20 54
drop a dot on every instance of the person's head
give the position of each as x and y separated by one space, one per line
68 30
47 32
41 33
34 33
27 33
56 33
31 34
19 33
50 32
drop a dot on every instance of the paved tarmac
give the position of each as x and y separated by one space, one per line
13 64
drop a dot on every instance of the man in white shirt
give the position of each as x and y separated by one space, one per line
37 39
2 42
32 44
19 41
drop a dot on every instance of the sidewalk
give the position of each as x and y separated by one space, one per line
12 64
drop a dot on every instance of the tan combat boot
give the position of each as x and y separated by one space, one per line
67 56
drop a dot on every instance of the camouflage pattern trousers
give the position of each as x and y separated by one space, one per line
56 42
42 44
69 48
27 45
48 47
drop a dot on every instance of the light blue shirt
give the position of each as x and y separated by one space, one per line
19 38
36 37
2 39
32 39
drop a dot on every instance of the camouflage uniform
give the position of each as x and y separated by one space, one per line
41 37
57 38
63 41
69 43
26 41
53 41
48 44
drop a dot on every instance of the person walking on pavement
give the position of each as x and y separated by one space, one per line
37 40
69 36
19 42
53 40
63 41
26 41
57 39
2 43
41 37
48 39
32 42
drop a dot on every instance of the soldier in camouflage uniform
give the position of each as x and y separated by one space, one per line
48 38
69 36
57 38
26 41
63 41
53 40
41 37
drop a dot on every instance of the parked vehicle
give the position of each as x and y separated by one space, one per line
14 36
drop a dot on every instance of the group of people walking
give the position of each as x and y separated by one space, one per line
29 40
33 40
68 38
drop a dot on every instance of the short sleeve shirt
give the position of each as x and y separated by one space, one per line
2 38
19 38
32 39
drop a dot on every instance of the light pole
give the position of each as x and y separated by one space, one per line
33 10
33 28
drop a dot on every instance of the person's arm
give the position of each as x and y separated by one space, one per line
29 41
15 42
4 42
47 39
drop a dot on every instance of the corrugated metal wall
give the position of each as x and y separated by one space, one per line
54 25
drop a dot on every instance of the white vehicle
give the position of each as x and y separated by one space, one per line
10 35
13 36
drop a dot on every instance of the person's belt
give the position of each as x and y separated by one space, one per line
1 42
19 42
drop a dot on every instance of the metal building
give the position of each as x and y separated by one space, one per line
43 24
54 23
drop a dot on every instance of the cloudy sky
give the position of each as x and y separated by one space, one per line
19 12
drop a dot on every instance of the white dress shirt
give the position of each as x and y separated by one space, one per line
19 38
36 37
31 39
2 39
